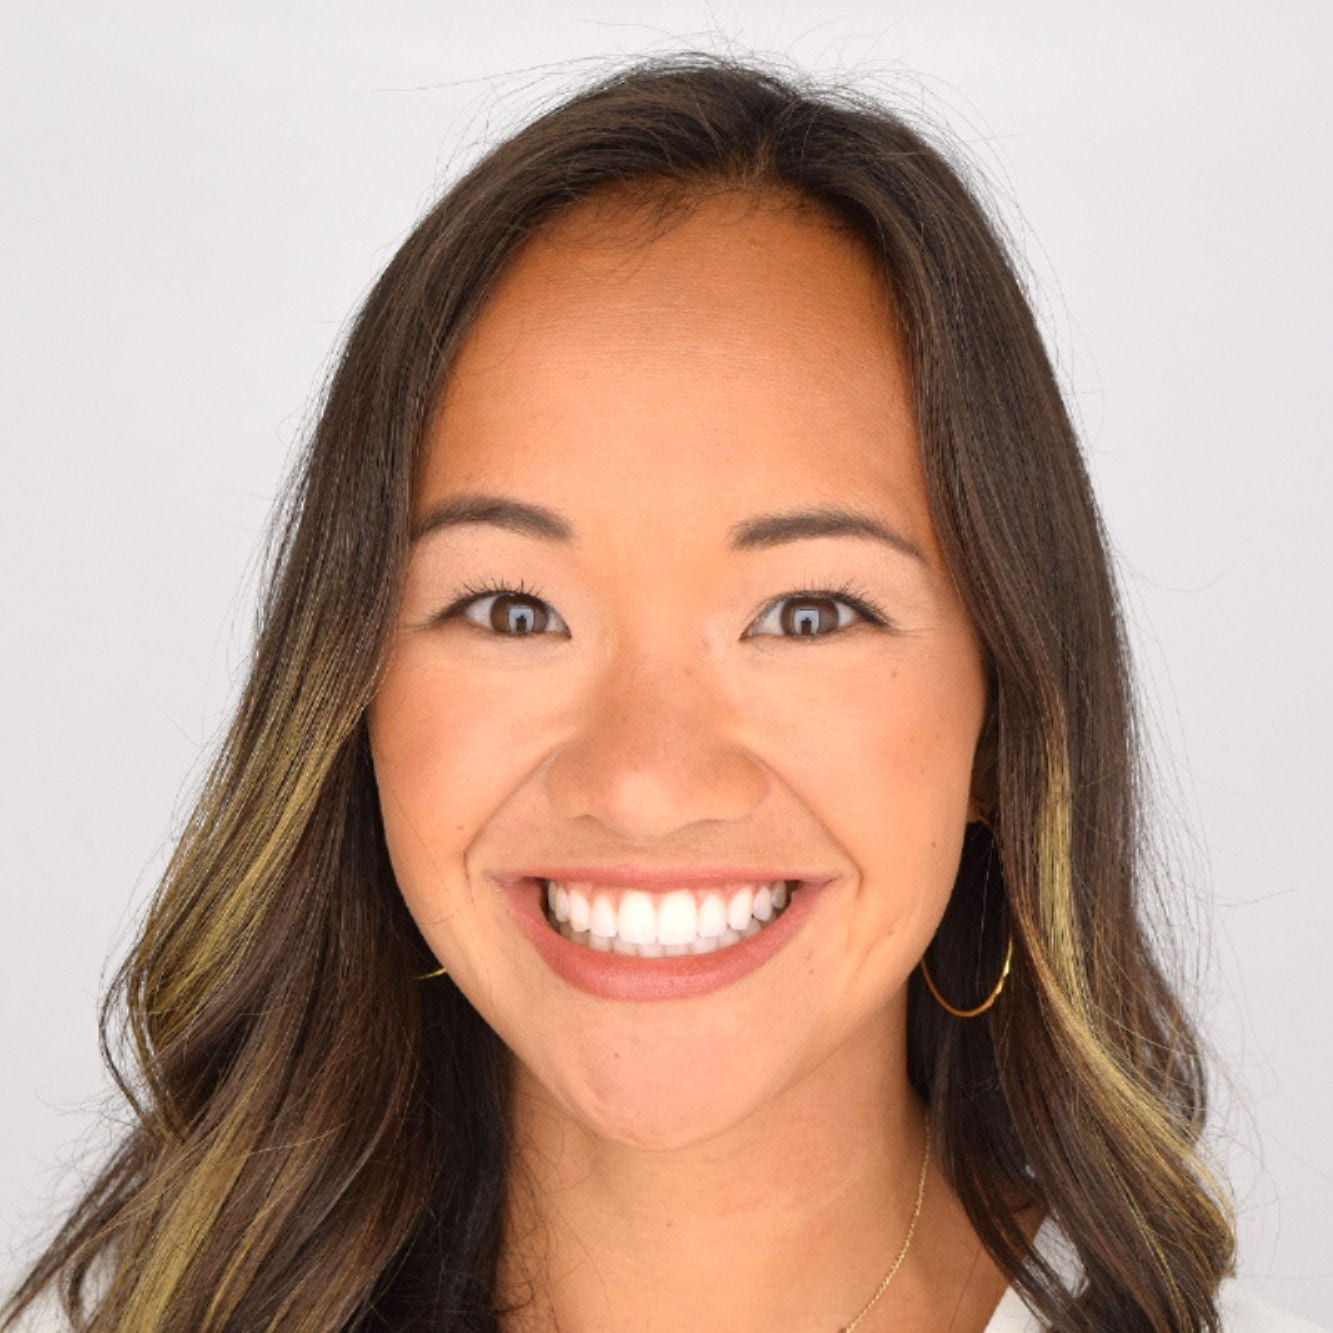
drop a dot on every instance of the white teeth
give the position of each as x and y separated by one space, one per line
712 916
677 918
580 911
636 922
603 917
647 925
738 909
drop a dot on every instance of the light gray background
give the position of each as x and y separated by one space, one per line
195 201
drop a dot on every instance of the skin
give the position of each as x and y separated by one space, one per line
747 1159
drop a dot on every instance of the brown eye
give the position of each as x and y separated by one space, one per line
808 617
805 614
516 614
816 613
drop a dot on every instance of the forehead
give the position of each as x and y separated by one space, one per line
746 355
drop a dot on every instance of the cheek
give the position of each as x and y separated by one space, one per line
435 753
894 742
886 766
880 755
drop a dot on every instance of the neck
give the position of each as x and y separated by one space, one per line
788 1219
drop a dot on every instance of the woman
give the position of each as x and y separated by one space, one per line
556 943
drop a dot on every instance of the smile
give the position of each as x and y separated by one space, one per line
663 925
695 958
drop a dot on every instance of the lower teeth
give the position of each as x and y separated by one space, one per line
614 944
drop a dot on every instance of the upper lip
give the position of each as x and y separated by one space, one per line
625 874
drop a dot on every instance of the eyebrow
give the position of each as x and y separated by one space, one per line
757 533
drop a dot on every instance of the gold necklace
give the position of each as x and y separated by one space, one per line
911 1227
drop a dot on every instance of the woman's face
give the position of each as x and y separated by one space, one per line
651 693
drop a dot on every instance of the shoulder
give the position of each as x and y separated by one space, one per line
1245 1310
1242 1307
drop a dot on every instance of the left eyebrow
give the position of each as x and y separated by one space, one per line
757 533
827 521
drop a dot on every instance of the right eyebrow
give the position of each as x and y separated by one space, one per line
759 532
499 511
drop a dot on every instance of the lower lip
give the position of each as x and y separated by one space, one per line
614 976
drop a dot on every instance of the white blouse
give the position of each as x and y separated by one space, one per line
1242 1307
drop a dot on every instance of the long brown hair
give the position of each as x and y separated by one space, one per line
320 1141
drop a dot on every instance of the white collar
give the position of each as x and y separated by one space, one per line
1011 1315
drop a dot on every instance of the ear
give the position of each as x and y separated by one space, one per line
984 794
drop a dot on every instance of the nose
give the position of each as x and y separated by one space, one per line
657 753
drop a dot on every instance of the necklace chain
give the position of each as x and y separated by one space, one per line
911 1227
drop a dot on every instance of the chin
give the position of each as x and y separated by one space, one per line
658 1125
637 1100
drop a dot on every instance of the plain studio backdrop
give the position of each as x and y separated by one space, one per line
196 201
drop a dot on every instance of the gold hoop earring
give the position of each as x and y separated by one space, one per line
999 985
986 1003
439 972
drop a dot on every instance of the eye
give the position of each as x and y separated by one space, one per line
520 613
801 612
515 613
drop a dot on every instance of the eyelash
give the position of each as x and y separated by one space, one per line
848 593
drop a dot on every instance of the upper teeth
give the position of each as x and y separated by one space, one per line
678 917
